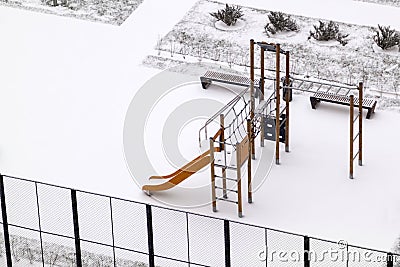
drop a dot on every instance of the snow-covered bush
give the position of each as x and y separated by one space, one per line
385 37
328 31
229 15
279 22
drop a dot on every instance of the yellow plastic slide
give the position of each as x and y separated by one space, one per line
181 174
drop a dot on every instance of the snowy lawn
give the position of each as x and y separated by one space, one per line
198 35
383 2
111 12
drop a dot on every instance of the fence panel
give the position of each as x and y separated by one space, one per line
126 258
325 253
359 257
284 249
247 245
58 251
55 210
130 228
170 234
206 241
94 215
96 255
25 246
21 203
3 260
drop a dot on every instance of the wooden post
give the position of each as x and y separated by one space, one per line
212 167
239 179
351 136
252 60
287 102
262 132
277 113
222 146
262 84
262 97
360 123
249 180
253 148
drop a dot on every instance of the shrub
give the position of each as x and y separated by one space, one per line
279 21
328 31
229 15
385 37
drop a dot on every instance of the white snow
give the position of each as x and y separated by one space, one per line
66 85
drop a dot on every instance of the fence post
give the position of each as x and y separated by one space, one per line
150 235
389 260
227 243
306 251
76 228
5 222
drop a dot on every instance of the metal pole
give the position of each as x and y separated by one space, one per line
75 218
249 179
150 237
239 179
222 147
262 84
40 223
389 261
253 149
112 232
227 237
287 102
307 251
278 123
360 123
351 136
212 168
5 222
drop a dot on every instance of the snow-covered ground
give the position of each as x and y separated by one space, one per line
360 60
383 2
66 85
112 12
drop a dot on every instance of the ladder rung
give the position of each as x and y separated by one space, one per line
230 190
227 200
357 135
226 167
230 179
356 118
356 155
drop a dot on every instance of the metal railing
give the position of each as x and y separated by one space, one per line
50 225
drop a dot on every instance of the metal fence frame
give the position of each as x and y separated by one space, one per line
305 248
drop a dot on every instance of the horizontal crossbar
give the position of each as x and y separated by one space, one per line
230 190
227 200
229 179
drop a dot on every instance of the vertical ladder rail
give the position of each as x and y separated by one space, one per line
212 168
360 123
351 137
278 122
239 180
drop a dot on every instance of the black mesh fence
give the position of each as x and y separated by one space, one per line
46 225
